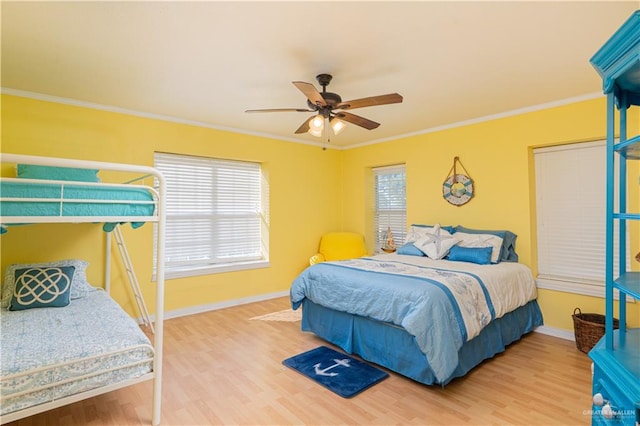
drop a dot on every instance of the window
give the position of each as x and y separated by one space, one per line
570 205
217 216
390 205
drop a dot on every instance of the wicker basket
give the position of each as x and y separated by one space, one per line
589 329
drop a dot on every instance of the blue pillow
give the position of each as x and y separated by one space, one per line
410 250
45 287
479 255
30 171
508 250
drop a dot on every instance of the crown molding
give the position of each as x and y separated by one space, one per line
519 111
118 110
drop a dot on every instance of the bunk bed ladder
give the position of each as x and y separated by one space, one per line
133 280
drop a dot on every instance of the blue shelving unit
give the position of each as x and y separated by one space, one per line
616 358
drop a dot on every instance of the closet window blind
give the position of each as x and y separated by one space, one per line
570 204
390 205
216 214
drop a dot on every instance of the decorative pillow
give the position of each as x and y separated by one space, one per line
79 286
414 234
31 171
482 240
479 255
410 250
417 231
46 287
508 252
436 243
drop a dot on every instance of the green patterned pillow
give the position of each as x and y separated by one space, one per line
42 287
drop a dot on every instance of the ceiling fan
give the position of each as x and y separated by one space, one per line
330 108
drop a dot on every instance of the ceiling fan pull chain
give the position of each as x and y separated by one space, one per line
327 129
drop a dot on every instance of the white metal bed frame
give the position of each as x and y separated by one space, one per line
158 217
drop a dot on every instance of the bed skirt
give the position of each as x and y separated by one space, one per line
392 347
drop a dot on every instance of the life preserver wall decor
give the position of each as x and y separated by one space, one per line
457 188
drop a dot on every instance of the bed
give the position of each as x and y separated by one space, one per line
50 194
64 340
431 319
65 354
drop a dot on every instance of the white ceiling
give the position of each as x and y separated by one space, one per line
207 62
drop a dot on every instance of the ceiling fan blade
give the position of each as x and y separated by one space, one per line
391 98
310 92
357 120
280 110
304 127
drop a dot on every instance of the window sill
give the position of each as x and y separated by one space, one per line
215 269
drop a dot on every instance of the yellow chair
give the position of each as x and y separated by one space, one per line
339 246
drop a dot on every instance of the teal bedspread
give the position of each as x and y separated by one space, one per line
56 199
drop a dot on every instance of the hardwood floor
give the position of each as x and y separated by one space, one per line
222 368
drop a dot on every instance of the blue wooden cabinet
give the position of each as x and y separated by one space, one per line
616 358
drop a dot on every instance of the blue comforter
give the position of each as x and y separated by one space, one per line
441 308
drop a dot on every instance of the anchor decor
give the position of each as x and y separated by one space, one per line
336 371
338 363
457 188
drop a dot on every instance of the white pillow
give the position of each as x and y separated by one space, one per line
436 242
417 232
481 240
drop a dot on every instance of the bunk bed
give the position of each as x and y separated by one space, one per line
85 344
431 319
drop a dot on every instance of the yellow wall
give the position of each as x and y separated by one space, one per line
497 155
311 191
304 195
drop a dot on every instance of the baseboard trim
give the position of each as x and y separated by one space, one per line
556 332
192 310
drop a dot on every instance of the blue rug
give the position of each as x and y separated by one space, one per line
336 371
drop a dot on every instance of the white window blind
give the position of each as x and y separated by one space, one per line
390 208
570 202
215 213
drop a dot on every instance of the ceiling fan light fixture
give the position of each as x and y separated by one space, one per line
316 125
337 125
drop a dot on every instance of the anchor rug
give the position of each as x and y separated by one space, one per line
336 371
